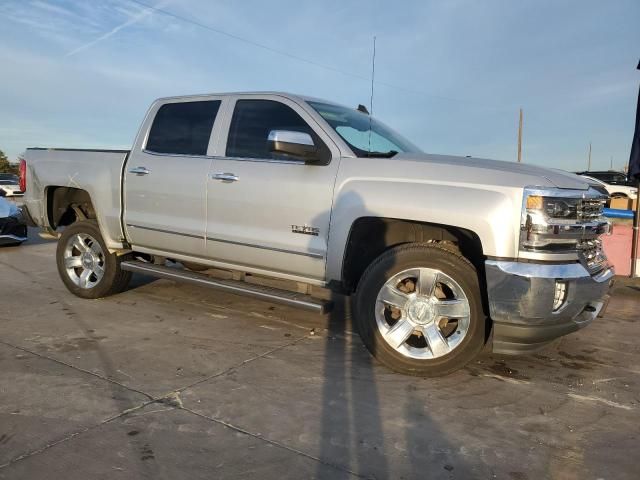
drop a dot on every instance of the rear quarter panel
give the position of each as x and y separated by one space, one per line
98 172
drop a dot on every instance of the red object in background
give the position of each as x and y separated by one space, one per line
23 175
617 247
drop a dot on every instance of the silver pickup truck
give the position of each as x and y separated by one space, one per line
441 255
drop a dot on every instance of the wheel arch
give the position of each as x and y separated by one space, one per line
370 236
66 205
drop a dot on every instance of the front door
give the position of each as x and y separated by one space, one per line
266 210
165 180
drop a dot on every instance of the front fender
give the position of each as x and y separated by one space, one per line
492 213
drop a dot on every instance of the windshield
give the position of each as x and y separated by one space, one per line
366 136
617 179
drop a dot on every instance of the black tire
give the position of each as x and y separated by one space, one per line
114 280
406 257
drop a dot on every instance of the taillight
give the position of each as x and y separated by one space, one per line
23 175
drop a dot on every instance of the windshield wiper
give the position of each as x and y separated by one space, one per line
388 154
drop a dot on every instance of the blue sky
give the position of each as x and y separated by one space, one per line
451 74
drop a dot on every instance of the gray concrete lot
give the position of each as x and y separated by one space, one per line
172 381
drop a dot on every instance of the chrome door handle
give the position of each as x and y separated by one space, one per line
140 170
225 177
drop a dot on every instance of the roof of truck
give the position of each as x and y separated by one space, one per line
293 96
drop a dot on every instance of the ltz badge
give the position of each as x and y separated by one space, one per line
305 230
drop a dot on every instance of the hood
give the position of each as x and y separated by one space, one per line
8 209
491 172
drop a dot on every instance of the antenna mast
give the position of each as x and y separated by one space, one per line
373 74
520 138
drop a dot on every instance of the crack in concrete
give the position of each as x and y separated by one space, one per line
89 372
238 365
273 442
70 436
173 400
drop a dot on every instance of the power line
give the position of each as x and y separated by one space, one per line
297 57
246 40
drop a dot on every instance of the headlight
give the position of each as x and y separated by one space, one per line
559 221
550 207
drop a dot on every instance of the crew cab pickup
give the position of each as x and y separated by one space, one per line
441 255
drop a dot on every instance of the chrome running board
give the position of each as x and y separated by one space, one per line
269 294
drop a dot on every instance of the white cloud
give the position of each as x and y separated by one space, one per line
134 18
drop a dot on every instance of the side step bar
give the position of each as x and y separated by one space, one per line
268 294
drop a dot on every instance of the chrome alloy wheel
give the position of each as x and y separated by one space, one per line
422 313
84 260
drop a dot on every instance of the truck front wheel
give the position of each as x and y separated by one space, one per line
419 310
85 265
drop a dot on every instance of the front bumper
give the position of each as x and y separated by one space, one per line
9 192
521 302
13 230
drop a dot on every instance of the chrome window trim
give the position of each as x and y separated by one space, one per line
182 155
269 160
243 159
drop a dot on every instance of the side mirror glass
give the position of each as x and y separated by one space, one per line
296 144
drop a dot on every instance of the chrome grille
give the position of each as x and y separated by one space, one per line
592 255
590 209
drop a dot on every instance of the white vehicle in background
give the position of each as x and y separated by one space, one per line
616 191
9 183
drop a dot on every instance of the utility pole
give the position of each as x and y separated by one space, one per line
589 164
520 139
611 167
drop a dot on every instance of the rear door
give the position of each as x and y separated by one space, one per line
165 178
264 210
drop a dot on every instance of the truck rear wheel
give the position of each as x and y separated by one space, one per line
419 310
85 265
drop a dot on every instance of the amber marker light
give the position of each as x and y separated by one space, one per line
534 202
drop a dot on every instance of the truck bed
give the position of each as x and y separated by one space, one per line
96 171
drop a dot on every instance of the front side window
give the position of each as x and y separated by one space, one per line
617 179
254 119
183 128
366 136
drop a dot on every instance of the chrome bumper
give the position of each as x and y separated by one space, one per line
521 302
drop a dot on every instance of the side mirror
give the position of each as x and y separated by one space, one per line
2 192
297 144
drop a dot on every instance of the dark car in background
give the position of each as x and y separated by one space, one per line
13 228
609 176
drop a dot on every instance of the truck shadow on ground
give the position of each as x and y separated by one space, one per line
358 431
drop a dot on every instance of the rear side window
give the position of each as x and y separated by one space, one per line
183 128
254 119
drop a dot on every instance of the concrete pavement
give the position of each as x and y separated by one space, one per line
172 381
